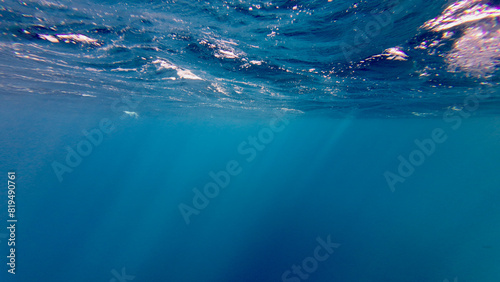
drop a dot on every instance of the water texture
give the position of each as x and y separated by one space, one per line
250 140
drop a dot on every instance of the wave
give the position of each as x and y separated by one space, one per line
386 58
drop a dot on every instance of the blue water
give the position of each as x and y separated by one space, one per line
251 141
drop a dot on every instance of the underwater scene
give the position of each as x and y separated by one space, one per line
237 140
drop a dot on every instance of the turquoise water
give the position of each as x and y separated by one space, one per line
317 178
184 141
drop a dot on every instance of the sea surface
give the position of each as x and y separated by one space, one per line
242 140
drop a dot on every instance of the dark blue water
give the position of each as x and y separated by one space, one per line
250 141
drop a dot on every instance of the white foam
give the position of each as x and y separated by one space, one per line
226 54
395 54
49 37
187 74
477 51
69 38
461 12
132 114
182 73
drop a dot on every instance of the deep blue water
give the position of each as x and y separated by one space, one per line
251 141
